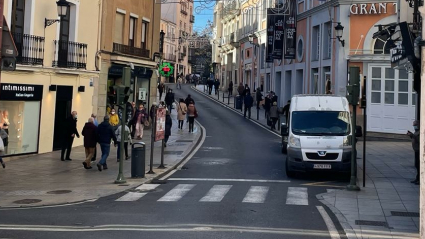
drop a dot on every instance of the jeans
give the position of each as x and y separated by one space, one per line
181 124
191 123
125 150
274 120
105 148
249 112
170 107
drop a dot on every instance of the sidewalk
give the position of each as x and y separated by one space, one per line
388 207
41 180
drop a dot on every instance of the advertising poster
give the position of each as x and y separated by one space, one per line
160 124
290 31
279 36
270 35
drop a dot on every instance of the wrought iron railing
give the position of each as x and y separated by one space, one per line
30 49
169 57
129 50
70 54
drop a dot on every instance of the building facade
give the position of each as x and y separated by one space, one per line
55 72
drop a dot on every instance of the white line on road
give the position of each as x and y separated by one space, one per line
256 194
297 196
176 193
331 227
131 196
216 193
147 186
229 180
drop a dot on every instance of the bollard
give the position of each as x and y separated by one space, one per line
223 97
278 121
228 100
258 113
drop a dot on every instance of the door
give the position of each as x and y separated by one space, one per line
64 45
62 111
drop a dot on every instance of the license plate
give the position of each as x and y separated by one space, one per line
322 166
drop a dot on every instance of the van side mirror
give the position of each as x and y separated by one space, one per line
359 131
284 129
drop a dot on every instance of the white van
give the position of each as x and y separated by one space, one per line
318 135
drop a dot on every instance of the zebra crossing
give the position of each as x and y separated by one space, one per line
256 194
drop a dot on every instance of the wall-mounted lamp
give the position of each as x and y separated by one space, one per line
81 88
62 6
339 29
52 87
251 39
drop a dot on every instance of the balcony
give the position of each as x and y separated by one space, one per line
183 11
181 56
192 19
70 54
129 50
30 49
169 57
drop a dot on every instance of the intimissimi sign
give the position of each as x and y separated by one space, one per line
371 8
21 92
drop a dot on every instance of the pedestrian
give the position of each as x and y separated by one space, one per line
189 99
168 125
127 138
267 104
246 90
70 131
248 102
415 145
3 135
161 88
192 114
114 119
105 133
139 120
273 97
230 88
258 97
5 125
94 120
274 114
179 83
169 99
216 86
210 85
96 123
151 112
286 111
90 140
181 112
240 89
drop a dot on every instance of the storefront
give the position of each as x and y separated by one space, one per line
20 107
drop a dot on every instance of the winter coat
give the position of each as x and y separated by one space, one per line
248 101
90 135
216 84
274 112
181 108
258 96
136 115
161 88
230 85
168 125
114 120
188 100
415 140
105 133
267 104
191 110
70 127
169 98
274 98
241 89
118 134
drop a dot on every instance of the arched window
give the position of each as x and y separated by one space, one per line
382 45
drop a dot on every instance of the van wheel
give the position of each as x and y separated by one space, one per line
289 173
284 148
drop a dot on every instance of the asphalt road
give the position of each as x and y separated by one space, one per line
234 187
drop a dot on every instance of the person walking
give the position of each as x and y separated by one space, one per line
248 102
127 138
96 123
415 145
273 97
151 112
169 99
192 114
274 114
90 140
267 105
114 119
181 112
286 111
139 120
230 88
70 131
241 89
3 135
189 99
258 97
161 88
105 134
216 86
168 125
179 83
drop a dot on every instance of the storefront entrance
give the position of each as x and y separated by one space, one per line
62 111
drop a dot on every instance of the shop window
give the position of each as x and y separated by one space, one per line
389 92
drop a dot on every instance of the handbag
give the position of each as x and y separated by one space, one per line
1 145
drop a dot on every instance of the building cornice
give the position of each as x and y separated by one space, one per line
370 58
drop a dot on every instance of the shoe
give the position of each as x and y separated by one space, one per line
127 158
105 167
99 167
85 165
4 165
93 159
414 181
165 145
90 167
69 159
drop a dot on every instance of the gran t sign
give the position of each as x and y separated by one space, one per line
371 8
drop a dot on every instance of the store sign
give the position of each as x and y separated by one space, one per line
160 124
370 8
142 94
20 92
397 53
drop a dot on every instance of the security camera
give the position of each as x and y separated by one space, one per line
132 66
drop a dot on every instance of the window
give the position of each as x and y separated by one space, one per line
119 26
133 22
327 43
263 54
316 43
300 50
145 30
264 5
314 81
18 17
376 85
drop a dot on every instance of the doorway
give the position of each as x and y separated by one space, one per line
62 111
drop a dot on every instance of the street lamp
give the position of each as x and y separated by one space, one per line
161 41
339 29
251 39
62 6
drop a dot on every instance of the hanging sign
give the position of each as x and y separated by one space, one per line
166 69
160 124
290 32
270 35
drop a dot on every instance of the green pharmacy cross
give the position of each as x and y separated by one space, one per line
166 69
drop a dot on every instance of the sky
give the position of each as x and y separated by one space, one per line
205 14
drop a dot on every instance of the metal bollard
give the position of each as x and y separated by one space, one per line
278 123
258 113
228 100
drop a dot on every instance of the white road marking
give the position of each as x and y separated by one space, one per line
256 194
329 224
147 186
216 193
131 196
229 180
176 193
297 196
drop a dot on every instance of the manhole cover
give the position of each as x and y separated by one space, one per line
27 201
59 192
405 214
371 223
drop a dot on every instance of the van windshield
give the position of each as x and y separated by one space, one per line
336 123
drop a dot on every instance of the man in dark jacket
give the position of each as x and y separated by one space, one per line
248 101
105 133
90 141
210 85
274 97
216 85
161 88
70 131
169 99
258 97
415 145
231 88
188 100
168 125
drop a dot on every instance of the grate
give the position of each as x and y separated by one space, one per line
184 140
405 214
371 223
173 152
59 192
27 201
